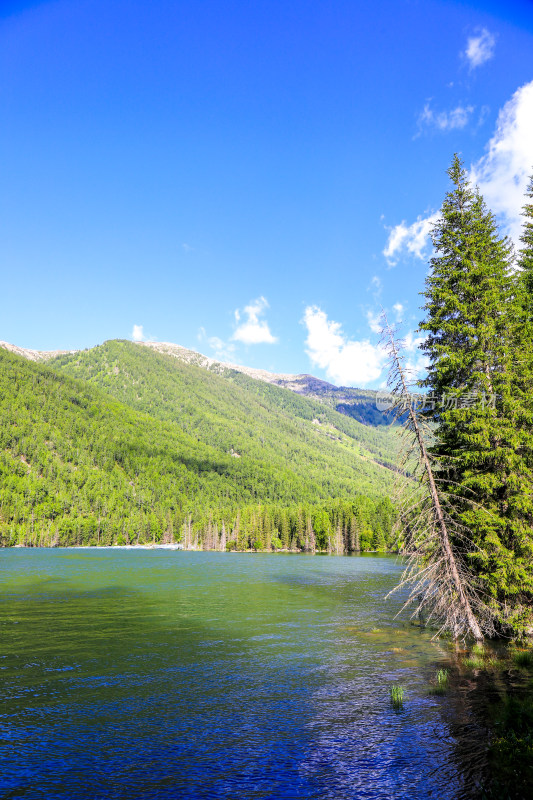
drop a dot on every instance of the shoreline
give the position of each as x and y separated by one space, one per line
180 547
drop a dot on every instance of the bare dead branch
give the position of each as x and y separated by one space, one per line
441 585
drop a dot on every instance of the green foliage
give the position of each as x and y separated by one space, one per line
156 462
482 414
397 696
441 682
243 417
474 662
524 658
526 253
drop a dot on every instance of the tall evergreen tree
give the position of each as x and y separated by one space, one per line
523 306
483 440
526 253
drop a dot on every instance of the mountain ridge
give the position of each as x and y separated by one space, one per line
178 351
357 403
34 355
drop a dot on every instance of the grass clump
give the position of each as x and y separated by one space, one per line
474 662
524 658
397 696
442 677
441 682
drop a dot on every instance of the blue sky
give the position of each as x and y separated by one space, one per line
252 180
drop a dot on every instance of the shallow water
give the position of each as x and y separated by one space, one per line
161 674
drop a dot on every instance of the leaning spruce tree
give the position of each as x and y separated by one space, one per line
477 403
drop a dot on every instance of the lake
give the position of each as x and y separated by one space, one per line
171 674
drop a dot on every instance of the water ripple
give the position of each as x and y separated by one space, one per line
198 675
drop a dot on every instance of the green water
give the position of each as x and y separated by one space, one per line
153 674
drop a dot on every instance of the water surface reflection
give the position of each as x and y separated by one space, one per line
211 675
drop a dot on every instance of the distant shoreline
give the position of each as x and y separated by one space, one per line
191 550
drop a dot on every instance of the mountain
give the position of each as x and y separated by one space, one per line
125 442
228 408
357 403
33 355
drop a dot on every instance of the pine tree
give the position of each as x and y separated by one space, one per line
526 253
354 534
466 292
285 530
523 307
483 440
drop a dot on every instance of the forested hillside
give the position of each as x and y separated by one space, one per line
357 403
234 412
140 447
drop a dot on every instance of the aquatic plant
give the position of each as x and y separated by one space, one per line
442 677
474 662
441 682
397 696
524 658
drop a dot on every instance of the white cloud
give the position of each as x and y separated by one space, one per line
398 310
484 111
480 48
416 363
374 319
374 322
501 174
455 119
253 330
223 351
412 238
376 285
345 362
137 333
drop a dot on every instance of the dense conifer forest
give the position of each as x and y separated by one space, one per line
122 445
